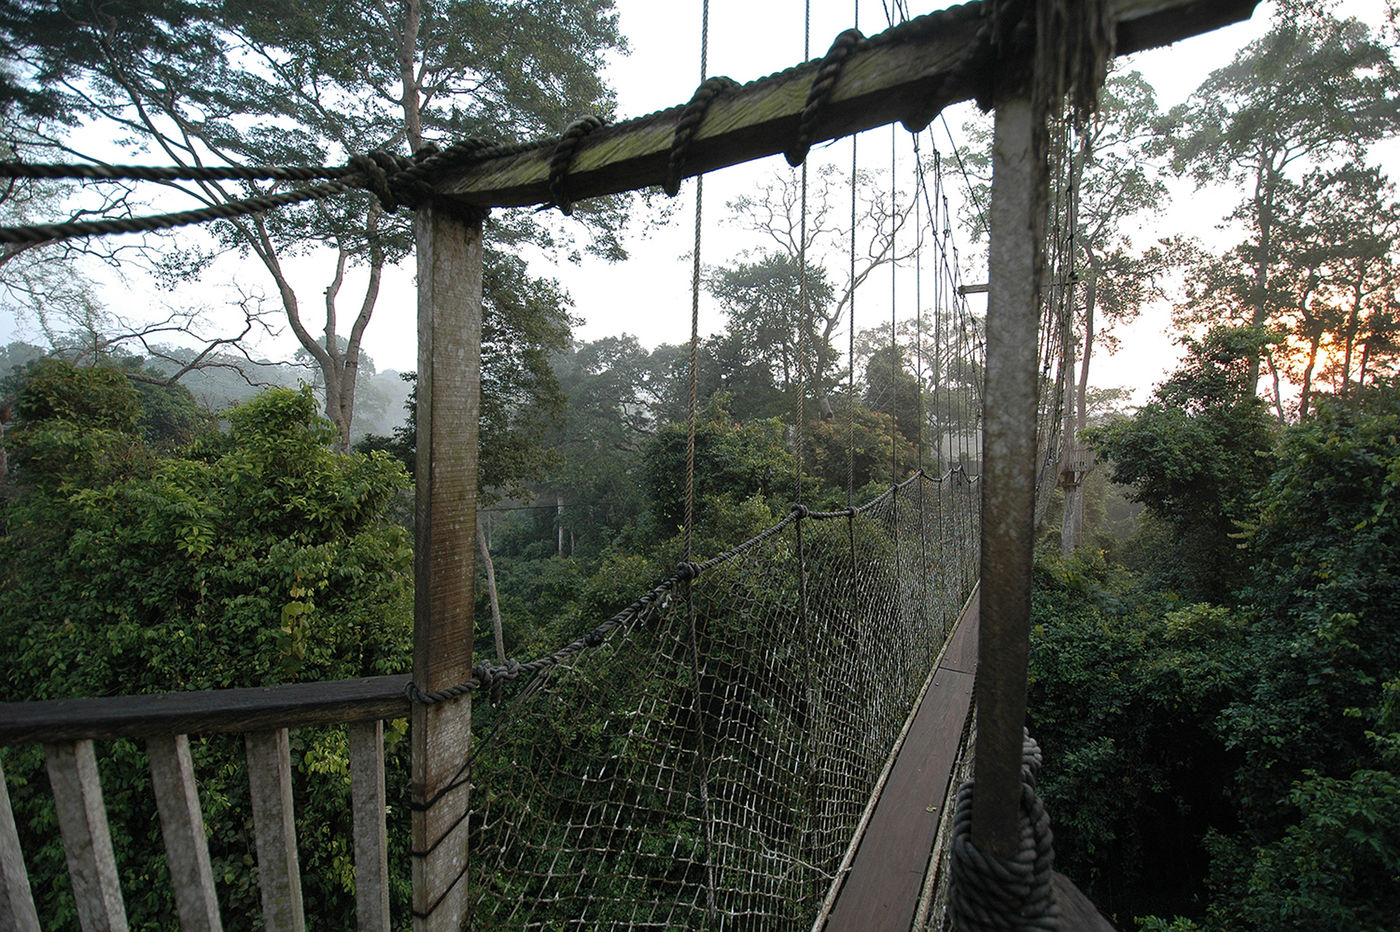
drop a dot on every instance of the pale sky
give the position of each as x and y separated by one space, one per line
649 295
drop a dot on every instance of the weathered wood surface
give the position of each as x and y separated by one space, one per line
367 801
881 889
220 710
1077 912
900 80
16 898
449 393
87 844
274 830
182 828
1008 471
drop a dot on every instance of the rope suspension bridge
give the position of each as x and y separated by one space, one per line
725 752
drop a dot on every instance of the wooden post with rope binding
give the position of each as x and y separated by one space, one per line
449 406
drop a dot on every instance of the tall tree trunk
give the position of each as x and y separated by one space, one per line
1305 397
559 523
1264 221
490 567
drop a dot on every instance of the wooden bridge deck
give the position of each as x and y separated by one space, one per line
881 889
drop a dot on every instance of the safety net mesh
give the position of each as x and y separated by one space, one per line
706 765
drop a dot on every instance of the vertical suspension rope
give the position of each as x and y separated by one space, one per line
810 688
896 358
691 417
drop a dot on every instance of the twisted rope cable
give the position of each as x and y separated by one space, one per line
394 179
819 94
992 894
18 169
49 232
486 676
688 125
563 156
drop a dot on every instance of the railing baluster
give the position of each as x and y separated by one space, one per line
367 804
77 795
270 785
16 899
182 827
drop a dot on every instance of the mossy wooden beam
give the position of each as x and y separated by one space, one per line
901 75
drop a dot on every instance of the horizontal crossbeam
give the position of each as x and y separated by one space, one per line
220 710
901 75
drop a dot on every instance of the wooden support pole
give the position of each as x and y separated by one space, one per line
87 844
449 408
367 800
16 899
274 829
1008 487
182 828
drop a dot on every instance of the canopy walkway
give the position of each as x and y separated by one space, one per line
737 748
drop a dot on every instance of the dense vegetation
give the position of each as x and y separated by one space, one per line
137 562
1220 719
1216 684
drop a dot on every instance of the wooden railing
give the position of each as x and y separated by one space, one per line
67 729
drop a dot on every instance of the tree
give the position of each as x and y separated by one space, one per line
1109 180
778 214
772 340
1192 456
1314 91
1339 233
180 79
251 557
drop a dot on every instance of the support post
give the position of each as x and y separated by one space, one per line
449 388
1008 489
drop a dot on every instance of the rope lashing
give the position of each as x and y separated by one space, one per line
53 171
820 92
393 179
688 124
48 232
563 156
991 894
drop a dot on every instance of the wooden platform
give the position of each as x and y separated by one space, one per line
881 888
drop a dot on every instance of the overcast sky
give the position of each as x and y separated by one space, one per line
649 295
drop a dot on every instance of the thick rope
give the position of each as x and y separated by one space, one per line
563 156
50 232
992 894
393 179
688 125
819 94
16 169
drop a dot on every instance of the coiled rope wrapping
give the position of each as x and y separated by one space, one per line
563 156
688 124
991 894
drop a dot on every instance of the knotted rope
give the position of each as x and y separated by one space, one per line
395 180
688 124
992 894
563 156
819 94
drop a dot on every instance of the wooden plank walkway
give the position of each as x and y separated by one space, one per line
881 889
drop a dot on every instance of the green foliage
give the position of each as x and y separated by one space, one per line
1125 685
1327 577
1264 736
257 556
95 397
1192 455
733 461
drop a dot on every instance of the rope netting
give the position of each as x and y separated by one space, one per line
652 783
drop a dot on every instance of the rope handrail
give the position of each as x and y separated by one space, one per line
487 676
